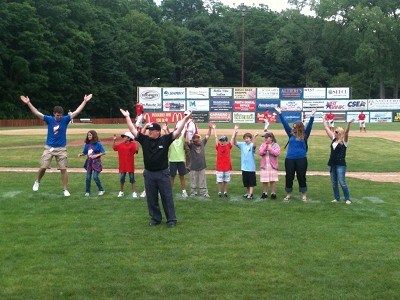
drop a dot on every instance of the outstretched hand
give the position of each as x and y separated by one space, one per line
125 113
278 109
25 99
87 97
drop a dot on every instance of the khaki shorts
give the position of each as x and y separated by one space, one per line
60 153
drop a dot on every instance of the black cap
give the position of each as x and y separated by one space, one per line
154 126
223 138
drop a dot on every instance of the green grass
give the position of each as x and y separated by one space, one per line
52 247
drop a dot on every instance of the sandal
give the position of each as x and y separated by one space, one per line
287 198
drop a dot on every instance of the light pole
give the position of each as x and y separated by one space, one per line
157 78
243 11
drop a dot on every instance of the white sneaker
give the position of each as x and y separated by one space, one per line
184 194
101 193
66 193
348 202
35 186
335 201
120 194
87 194
134 195
143 194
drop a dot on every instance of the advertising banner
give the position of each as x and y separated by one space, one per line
161 117
244 105
270 116
174 93
354 115
292 116
360 104
244 93
197 93
174 105
396 116
201 117
291 105
383 104
314 93
226 93
338 93
310 104
220 117
335 105
291 93
221 105
243 117
150 97
268 93
198 105
380 116
263 105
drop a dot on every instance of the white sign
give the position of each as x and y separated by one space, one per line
174 105
359 104
338 93
221 93
335 105
383 104
243 117
174 93
380 116
268 93
291 105
354 115
150 97
197 93
314 93
310 104
198 105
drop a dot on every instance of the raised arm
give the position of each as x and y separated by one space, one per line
80 107
326 127
209 132
33 109
285 124
235 132
346 131
180 125
165 127
215 133
131 127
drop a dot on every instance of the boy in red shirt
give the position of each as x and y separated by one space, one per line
223 163
126 162
361 121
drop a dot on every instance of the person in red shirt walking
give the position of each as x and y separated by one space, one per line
331 121
126 162
223 163
361 121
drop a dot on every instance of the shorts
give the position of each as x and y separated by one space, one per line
177 167
249 178
223 176
60 153
131 177
361 123
331 123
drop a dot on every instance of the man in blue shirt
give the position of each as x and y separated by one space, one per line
56 141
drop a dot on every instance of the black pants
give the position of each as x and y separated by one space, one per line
296 166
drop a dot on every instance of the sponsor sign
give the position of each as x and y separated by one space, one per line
310 104
380 116
291 105
173 93
161 117
396 116
243 117
220 117
150 97
271 117
198 105
314 93
360 104
335 105
291 93
201 117
244 105
174 105
197 93
338 93
291 116
268 93
354 115
383 104
244 93
221 93
263 105
221 105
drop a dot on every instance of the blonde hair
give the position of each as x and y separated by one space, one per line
340 134
300 131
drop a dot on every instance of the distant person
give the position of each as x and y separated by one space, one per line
93 150
223 162
361 121
247 161
331 121
127 150
198 164
139 116
56 141
269 164
156 173
296 156
337 160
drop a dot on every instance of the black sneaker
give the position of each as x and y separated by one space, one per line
264 196
219 195
245 195
250 196
226 195
273 196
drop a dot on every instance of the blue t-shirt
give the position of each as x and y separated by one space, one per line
248 163
56 131
93 148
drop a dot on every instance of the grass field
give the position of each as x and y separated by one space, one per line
53 247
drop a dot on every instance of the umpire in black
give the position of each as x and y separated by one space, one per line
156 174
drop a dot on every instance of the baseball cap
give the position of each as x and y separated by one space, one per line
154 126
223 138
128 134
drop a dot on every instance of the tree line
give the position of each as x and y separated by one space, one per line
57 51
